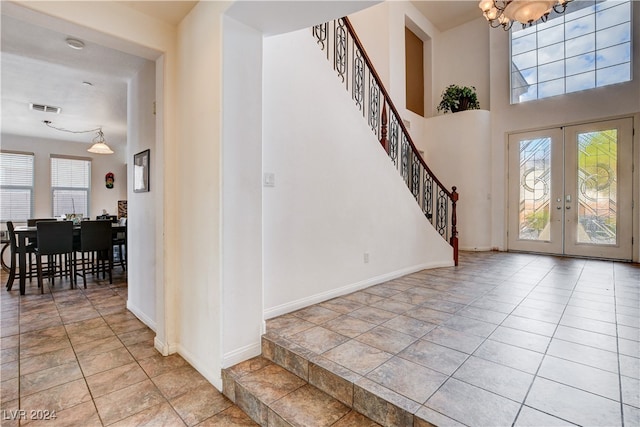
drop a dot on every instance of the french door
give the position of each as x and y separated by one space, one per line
570 190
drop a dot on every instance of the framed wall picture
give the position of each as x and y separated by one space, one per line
141 172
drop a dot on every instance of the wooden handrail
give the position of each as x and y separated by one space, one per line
388 100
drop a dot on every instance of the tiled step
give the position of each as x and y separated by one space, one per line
259 387
275 397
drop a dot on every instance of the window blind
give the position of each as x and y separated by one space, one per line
16 186
70 185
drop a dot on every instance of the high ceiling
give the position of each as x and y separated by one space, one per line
90 85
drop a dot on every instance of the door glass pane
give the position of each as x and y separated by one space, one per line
535 173
597 187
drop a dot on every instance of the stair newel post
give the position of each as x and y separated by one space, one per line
454 221
383 128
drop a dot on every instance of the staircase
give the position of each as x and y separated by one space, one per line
349 59
291 386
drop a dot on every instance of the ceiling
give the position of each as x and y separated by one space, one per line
448 14
90 85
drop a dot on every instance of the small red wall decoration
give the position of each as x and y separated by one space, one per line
109 178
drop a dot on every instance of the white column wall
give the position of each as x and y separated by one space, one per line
199 186
241 193
141 207
337 195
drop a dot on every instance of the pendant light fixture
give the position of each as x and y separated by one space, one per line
99 144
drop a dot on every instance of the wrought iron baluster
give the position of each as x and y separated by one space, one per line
442 212
358 79
320 33
393 140
405 159
340 47
416 169
427 203
374 105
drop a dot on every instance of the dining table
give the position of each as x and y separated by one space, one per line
25 232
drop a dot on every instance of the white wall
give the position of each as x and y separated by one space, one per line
458 151
337 195
241 193
101 197
461 58
142 212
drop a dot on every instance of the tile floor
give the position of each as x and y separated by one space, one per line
81 354
504 339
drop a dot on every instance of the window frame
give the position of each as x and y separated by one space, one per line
54 189
568 78
30 188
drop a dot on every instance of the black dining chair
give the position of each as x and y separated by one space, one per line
119 241
31 222
13 246
54 238
95 243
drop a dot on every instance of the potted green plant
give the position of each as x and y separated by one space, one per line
458 98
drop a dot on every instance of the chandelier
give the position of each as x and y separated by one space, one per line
503 13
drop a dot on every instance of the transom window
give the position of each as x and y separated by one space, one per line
588 46
70 185
16 186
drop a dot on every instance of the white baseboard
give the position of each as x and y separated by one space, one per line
241 354
142 316
163 348
477 249
214 376
324 296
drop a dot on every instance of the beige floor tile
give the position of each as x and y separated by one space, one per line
200 403
129 401
93 363
57 398
115 379
178 381
47 378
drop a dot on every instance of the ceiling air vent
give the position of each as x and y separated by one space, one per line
44 108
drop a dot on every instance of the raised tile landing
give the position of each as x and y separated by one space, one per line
504 339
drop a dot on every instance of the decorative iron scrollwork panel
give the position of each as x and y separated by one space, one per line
416 169
374 105
393 140
358 79
340 56
404 160
441 213
427 202
320 34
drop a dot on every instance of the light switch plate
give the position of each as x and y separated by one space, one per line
269 179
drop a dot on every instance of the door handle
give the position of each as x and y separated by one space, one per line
568 207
